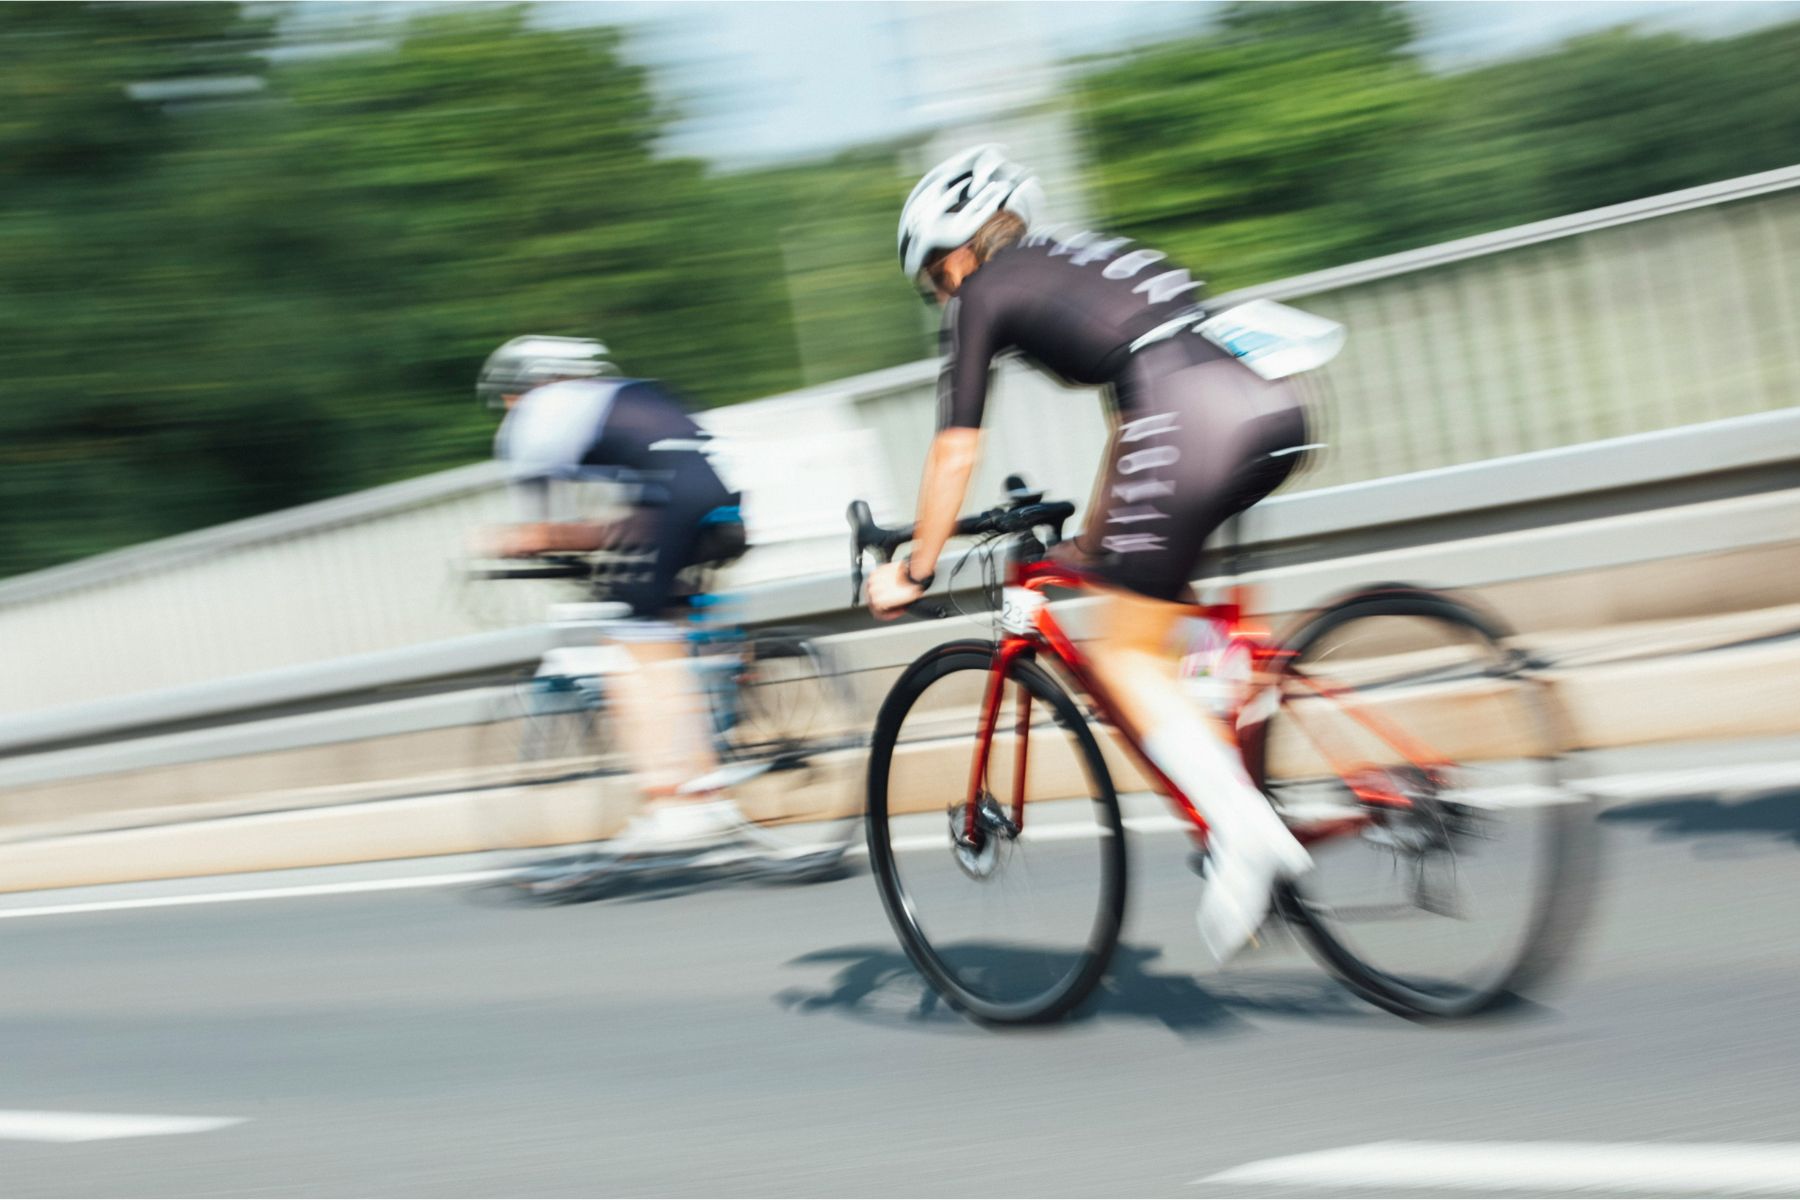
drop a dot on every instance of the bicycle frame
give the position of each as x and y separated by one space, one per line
1030 627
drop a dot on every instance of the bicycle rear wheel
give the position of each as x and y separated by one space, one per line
1421 759
785 727
1017 926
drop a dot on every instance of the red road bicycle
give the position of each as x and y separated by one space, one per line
1396 731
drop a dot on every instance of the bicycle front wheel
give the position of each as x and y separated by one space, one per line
1421 757
1018 924
534 829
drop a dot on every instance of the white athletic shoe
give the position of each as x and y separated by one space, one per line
1251 849
1245 867
686 825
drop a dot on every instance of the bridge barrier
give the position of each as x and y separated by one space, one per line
1676 310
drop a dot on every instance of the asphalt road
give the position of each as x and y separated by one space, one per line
757 1040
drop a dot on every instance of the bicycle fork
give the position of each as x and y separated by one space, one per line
975 827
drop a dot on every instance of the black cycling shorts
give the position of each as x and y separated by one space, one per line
650 554
1201 437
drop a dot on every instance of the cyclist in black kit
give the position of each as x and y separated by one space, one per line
1198 437
571 418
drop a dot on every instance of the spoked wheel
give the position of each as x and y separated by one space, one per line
785 731
1011 925
1420 758
558 730
562 745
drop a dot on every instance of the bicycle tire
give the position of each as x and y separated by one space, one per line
559 737
1562 901
1103 936
786 709
564 751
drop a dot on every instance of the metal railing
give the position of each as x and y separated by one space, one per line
1644 316
1663 312
1703 489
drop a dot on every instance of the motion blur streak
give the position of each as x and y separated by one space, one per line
267 242
266 751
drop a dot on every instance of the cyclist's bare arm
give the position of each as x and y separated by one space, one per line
545 537
948 467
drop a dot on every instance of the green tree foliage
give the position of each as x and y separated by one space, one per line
1601 120
467 197
851 309
213 309
123 396
216 303
1247 150
1292 137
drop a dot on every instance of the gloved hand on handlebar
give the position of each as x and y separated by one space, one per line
891 590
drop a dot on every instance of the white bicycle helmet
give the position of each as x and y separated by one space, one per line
956 197
525 362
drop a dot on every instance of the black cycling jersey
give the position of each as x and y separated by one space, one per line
1200 438
1074 305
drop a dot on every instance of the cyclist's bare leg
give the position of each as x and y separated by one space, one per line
665 726
1135 657
1132 656
662 720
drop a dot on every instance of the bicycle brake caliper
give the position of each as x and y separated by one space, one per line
979 856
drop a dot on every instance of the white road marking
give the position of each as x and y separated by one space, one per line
1661 1169
1047 832
96 1127
1694 781
1060 831
238 897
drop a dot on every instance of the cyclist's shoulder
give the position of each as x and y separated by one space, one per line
1061 259
555 420
593 394
1078 246
654 391
563 392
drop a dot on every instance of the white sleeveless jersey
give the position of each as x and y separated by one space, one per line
552 428
543 440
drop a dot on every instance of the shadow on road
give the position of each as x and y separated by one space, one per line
1775 813
554 881
879 984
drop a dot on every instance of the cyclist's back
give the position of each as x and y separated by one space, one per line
629 430
1077 305
1201 438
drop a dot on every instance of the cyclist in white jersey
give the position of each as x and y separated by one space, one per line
571 418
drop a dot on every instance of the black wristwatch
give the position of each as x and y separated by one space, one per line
922 584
